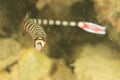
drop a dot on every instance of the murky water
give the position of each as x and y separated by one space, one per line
76 54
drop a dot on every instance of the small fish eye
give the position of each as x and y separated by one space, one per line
39 43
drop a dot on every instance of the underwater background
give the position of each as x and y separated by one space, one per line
70 53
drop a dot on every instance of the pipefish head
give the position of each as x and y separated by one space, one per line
39 43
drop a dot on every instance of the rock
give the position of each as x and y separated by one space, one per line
9 52
97 63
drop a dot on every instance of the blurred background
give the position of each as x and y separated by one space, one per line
70 52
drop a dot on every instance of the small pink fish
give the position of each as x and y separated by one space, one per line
35 30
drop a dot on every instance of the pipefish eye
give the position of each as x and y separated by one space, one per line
38 45
38 42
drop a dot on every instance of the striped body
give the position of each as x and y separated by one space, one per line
87 26
53 22
36 32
